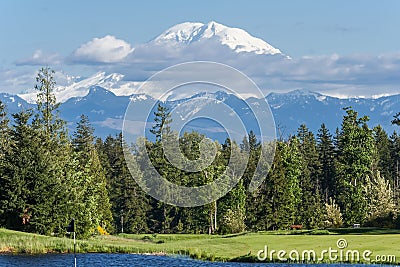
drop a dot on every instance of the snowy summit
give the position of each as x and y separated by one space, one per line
174 39
235 38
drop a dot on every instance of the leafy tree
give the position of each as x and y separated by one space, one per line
285 192
232 222
380 197
233 205
333 217
355 159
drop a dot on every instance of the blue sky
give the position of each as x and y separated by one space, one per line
360 31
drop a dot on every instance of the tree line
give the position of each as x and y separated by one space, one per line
48 176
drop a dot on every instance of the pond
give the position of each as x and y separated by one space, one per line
97 260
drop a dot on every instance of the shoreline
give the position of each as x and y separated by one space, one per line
213 248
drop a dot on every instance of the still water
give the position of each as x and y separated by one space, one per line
119 260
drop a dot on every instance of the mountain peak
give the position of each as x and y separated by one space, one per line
212 28
236 39
98 90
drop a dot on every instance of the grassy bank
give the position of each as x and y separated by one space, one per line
242 247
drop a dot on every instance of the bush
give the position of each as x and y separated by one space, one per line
333 215
232 222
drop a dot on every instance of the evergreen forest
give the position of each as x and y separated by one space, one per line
317 180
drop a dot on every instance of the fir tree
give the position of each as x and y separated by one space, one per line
326 152
396 119
394 148
310 206
4 130
97 202
130 206
382 160
46 101
4 148
162 120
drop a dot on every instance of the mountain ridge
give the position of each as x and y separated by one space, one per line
106 110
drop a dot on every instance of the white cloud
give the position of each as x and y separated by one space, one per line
102 50
335 75
39 58
16 80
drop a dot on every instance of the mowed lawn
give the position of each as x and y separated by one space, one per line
381 243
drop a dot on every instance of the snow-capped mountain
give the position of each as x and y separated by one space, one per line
236 39
106 110
14 103
301 106
80 87
183 42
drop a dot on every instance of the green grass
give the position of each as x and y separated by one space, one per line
222 248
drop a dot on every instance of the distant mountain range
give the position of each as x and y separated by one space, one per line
106 110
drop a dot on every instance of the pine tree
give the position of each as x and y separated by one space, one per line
161 127
130 205
382 158
310 206
41 178
251 147
326 151
259 213
394 148
396 119
162 120
46 100
4 148
4 130
98 207
15 193
83 137
53 157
